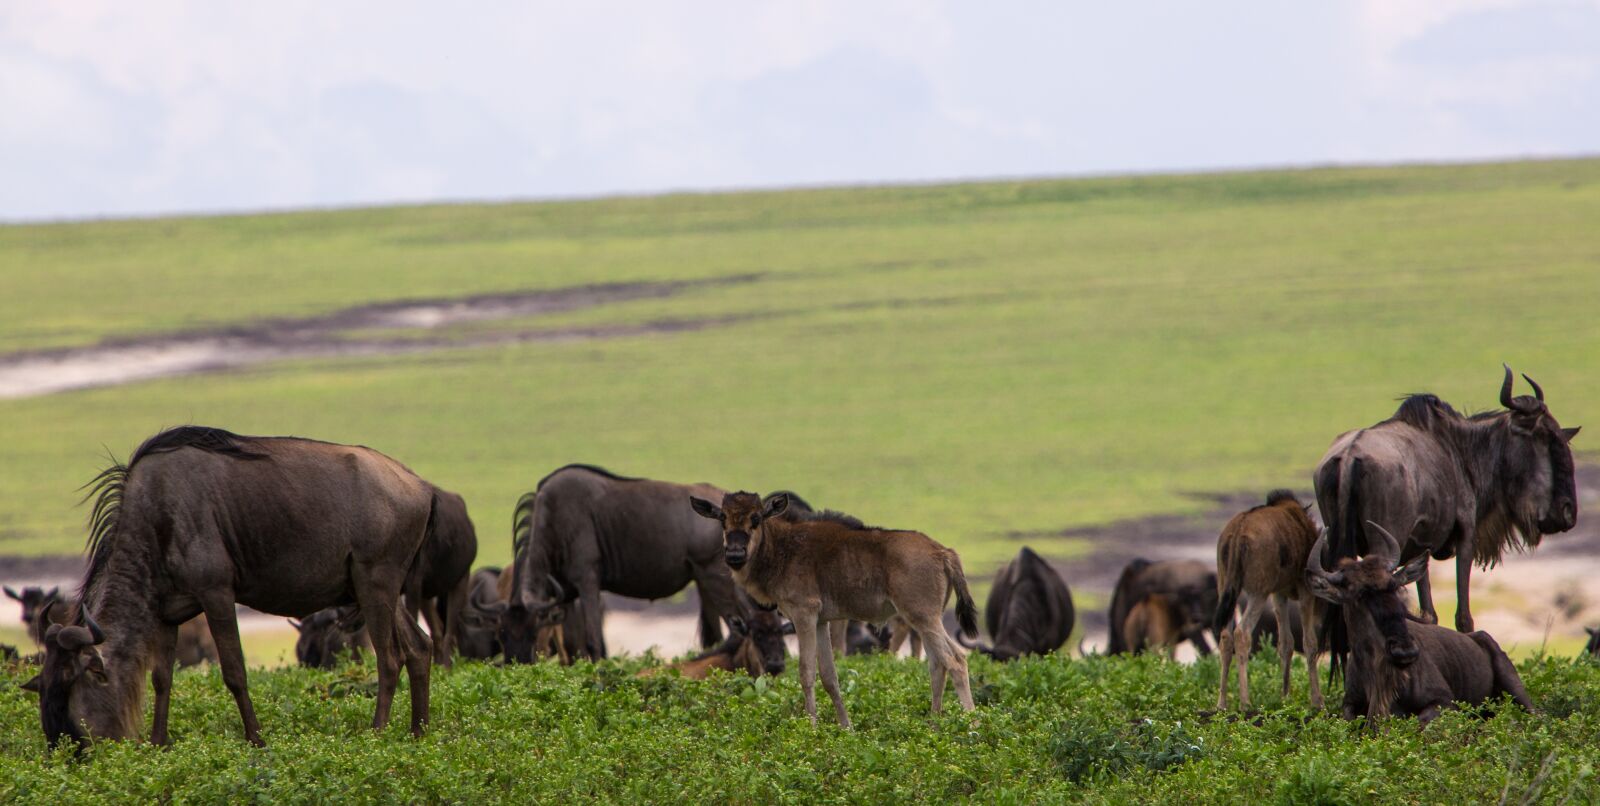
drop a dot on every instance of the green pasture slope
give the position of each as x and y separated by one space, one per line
1046 731
985 362
979 361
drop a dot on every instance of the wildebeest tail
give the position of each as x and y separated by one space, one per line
1345 538
966 609
1230 573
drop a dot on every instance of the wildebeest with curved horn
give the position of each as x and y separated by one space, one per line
1261 560
438 582
327 634
1188 585
584 530
828 571
201 519
1397 664
1029 611
1451 485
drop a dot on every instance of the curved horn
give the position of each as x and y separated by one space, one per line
1391 545
558 590
94 629
1314 560
1537 392
1505 388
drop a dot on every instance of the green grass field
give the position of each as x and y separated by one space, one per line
971 360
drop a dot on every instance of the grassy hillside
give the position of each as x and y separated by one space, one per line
1046 730
973 360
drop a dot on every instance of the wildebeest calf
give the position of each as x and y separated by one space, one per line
754 646
825 571
1189 585
1154 624
1261 560
1397 664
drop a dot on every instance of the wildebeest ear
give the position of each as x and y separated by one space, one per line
705 508
775 505
788 628
13 594
1566 433
32 684
1412 571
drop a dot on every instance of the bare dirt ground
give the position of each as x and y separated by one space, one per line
42 372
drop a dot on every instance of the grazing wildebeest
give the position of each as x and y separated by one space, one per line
1261 560
756 646
1594 641
201 519
328 633
40 609
438 582
1398 665
479 635
1154 623
194 643
584 530
827 570
1029 611
1451 486
1189 585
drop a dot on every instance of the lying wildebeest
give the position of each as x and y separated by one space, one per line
1029 611
328 633
1451 486
1188 585
829 571
1594 641
1261 560
755 646
200 519
437 584
1400 665
585 530
40 609
1154 623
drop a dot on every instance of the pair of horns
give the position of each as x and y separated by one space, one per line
76 637
1511 403
525 598
1390 550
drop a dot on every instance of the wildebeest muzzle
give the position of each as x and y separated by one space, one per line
1402 653
736 549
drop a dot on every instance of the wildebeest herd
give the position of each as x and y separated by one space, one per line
355 547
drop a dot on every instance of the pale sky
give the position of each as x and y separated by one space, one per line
139 108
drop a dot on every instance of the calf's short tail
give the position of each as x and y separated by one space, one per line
966 609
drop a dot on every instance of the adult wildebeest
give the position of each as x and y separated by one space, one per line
200 519
1029 611
1188 585
326 634
1400 665
828 571
484 634
479 635
585 530
1450 485
437 584
1154 623
756 646
1261 560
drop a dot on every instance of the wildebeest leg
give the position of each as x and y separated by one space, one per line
717 601
837 632
218 606
1425 598
454 601
1308 640
1463 582
419 662
1280 609
830 678
1225 653
594 636
943 656
379 595
1242 634
436 631
166 641
805 633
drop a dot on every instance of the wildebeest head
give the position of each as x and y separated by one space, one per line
763 648
74 691
741 515
1369 588
323 638
526 614
36 606
1538 463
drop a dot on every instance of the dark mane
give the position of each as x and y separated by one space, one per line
522 521
106 488
1422 410
828 516
1280 495
595 469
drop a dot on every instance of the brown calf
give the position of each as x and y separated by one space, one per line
822 571
1155 624
756 647
1261 559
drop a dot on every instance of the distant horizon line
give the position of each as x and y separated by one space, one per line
734 190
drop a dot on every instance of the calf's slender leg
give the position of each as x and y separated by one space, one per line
805 633
1225 650
1309 605
1280 608
830 679
1241 643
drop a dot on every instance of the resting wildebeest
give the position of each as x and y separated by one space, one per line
1400 665
201 519
828 571
1451 486
755 646
326 634
585 530
1188 585
437 584
1029 611
1261 560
